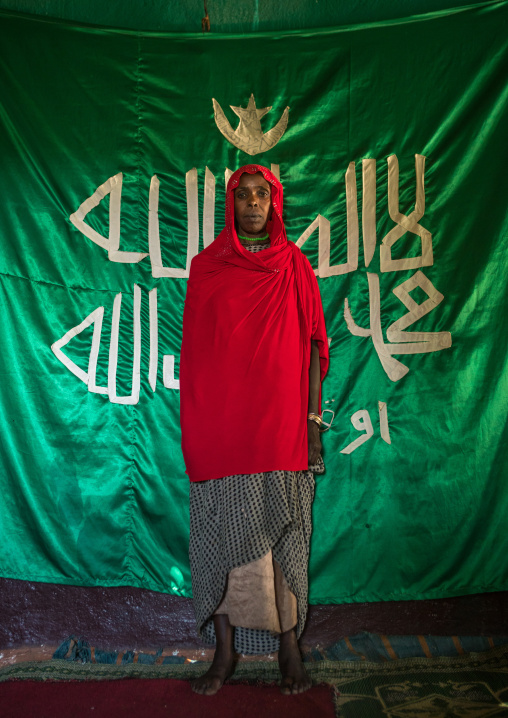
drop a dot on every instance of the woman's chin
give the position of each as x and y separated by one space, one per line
252 231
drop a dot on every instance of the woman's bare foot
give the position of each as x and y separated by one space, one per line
212 681
295 678
223 664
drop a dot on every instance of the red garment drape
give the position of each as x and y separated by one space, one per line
244 373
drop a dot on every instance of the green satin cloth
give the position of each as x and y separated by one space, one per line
94 492
227 16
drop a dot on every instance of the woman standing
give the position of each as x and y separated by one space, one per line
254 352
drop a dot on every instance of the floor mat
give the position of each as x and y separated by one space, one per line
426 688
474 685
156 698
380 648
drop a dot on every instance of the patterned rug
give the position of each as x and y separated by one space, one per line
474 685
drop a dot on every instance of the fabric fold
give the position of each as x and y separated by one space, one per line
237 521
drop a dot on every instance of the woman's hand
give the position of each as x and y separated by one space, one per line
314 441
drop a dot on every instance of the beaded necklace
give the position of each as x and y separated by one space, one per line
254 239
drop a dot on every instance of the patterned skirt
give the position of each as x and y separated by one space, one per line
237 520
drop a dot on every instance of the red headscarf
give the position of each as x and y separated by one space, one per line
247 326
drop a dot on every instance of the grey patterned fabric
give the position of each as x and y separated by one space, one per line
238 519
254 248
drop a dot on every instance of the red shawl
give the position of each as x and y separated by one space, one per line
244 375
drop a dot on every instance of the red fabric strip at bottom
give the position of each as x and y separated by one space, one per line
156 698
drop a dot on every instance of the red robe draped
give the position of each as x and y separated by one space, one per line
244 373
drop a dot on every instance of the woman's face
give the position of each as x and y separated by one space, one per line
253 205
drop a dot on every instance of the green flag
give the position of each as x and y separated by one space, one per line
390 141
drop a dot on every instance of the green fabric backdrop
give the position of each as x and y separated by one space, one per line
228 15
94 491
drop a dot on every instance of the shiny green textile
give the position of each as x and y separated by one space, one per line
94 492
227 15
